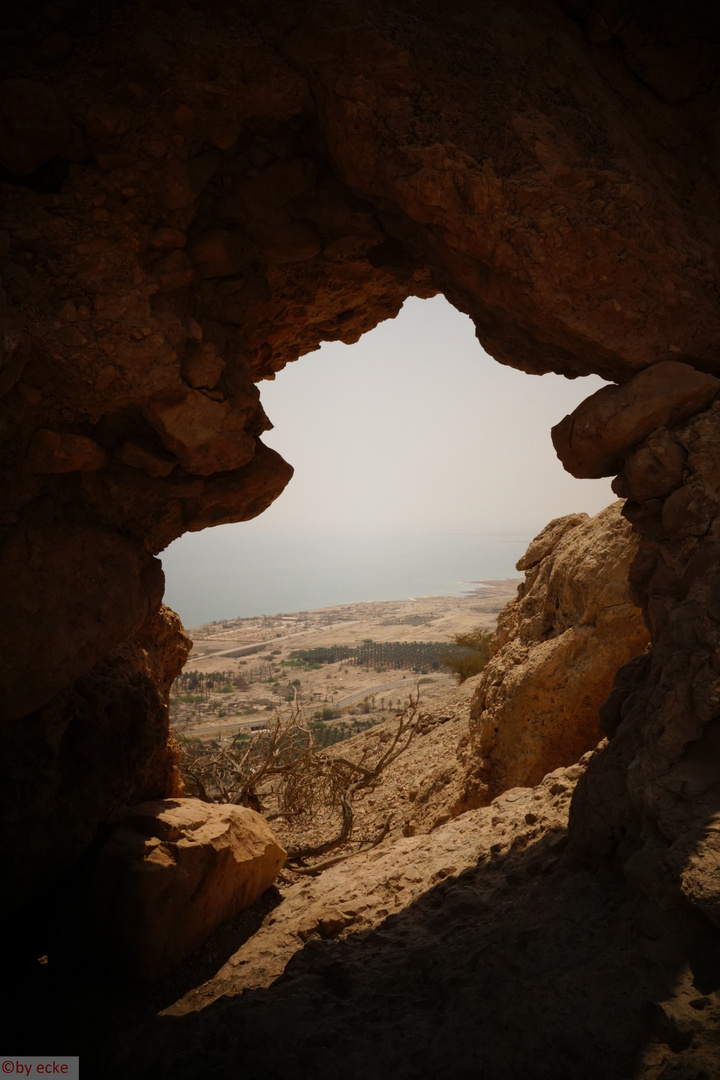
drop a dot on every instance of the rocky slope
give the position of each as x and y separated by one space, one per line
556 652
436 938
476 949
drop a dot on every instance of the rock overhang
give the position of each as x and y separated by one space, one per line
192 201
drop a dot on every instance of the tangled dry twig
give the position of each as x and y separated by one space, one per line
281 765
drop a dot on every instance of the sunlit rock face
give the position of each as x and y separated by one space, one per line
170 873
558 646
196 194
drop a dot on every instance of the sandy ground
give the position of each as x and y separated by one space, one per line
257 648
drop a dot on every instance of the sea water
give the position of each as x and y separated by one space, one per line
239 571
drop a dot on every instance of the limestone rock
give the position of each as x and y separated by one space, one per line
241 495
218 253
463 925
61 452
651 797
139 456
286 242
654 471
204 434
204 367
357 895
547 540
62 613
174 271
166 238
594 440
558 647
170 873
115 718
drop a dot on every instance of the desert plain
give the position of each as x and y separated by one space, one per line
256 656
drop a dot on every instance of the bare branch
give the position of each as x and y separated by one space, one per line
327 863
283 764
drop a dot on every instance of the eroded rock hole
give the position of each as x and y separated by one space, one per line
194 197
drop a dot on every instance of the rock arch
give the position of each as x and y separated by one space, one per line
197 194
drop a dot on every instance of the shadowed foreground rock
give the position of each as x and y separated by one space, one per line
474 951
557 649
99 746
651 798
169 874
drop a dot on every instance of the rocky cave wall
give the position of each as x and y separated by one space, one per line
195 194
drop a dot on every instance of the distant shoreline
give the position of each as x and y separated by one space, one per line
269 574
359 608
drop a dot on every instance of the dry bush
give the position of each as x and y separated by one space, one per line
281 773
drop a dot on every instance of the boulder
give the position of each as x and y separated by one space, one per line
205 434
169 874
558 646
140 456
165 238
174 271
594 440
203 367
654 471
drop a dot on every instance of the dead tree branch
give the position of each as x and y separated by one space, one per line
283 764
318 868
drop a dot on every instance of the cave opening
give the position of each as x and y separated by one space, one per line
423 470
235 183
410 447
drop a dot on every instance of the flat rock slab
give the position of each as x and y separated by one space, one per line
171 872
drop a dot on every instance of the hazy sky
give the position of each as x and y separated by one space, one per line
415 426
407 446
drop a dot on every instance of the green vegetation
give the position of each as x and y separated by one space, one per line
418 656
469 653
326 714
323 655
218 682
326 736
